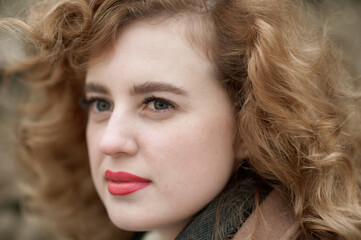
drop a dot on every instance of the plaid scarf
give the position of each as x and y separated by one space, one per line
222 218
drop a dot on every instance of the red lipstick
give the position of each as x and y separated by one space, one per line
124 183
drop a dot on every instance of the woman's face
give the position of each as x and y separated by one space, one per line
156 111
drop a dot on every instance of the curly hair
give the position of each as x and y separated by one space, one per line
295 103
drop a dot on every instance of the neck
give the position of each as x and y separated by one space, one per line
170 232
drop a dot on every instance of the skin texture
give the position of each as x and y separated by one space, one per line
184 145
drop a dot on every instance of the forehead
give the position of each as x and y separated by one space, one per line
196 30
150 51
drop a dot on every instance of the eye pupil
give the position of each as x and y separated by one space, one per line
102 106
160 105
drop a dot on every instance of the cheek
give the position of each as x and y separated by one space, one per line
207 150
195 157
95 156
91 143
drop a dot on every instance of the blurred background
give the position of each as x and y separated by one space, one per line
14 224
344 21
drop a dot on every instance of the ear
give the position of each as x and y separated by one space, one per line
241 152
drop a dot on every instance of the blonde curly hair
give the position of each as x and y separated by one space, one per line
296 105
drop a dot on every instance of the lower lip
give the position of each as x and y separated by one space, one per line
125 188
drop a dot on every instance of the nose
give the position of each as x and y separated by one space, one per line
119 137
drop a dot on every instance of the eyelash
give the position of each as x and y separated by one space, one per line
150 99
85 103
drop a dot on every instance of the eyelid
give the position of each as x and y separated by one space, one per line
154 98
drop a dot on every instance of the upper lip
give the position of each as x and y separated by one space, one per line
123 177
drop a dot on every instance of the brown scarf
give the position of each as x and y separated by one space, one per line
275 220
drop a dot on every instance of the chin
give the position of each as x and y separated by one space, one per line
131 223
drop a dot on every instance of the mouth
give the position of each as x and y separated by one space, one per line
124 183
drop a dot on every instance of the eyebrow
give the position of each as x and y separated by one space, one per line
93 87
143 88
149 87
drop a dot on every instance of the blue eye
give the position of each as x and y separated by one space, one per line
102 105
160 104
